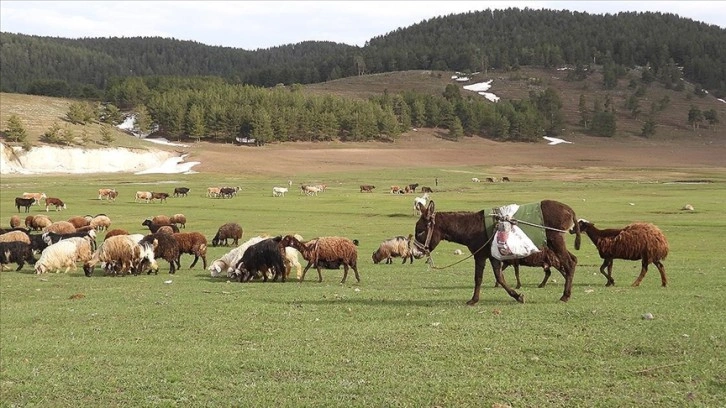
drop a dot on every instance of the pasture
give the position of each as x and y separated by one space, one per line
404 336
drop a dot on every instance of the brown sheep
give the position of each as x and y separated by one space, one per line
100 222
193 243
179 220
161 220
29 222
60 227
17 235
166 229
154 228
14 221
637 241
545 259
230 230
166 248
115 232
79 221
326 250
39 222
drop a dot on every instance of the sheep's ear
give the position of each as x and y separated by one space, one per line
156 243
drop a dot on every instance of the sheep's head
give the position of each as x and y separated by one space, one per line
215 269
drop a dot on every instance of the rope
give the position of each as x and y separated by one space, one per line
430 260
510 220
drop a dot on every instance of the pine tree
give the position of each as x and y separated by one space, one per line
15 131
106 135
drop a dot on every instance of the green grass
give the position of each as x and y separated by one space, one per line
403 337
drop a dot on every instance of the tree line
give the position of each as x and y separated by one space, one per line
469 42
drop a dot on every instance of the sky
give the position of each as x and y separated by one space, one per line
253 25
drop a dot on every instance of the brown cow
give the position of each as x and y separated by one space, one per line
57 202
159 196
107 193
366 188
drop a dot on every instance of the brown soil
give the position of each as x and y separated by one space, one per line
425 148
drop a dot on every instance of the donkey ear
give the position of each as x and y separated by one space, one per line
431 208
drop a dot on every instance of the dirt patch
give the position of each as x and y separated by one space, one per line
424 149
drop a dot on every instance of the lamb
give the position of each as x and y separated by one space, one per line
16 252
229 260
637 241
259 258
154 228
63 254
327 249
395 247
165 247
230 230
122 254
179 219
100 222
193 243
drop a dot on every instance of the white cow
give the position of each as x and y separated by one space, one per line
474 179
279 191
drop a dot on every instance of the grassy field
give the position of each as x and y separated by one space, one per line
403 336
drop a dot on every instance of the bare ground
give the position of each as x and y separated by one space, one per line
605 157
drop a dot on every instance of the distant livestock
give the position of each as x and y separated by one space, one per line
279 191
178 220
109 194
24 202
426 189
143 195
181 191
637 241
159 196
100 222
55 202
475 179
154 228
14 221
36 196
230 230
366 188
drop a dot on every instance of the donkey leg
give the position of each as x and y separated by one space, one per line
478 273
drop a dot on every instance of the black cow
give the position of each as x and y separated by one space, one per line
24 202
181 191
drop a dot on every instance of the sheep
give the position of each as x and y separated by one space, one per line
193 243
291 260
14 222
100 222
51 238
38 222
16 252
161 220
154 228
545 259
122 254
179 219
166 248
229 260
63 254
230 230
637 241
115 232
79 221
395 247
60 227
328 249
259 258
165 229
17 235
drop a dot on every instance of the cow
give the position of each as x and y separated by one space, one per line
36 196
396 190
228 192
366 188
310 190
107 193
159 196
24 202
426 189
279 191
505 178
413 187
59 205
213 191
181 191
143 195
475 179
491 179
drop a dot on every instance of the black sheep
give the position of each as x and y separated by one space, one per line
259 258
16 252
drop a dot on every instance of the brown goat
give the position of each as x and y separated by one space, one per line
326 250
638 241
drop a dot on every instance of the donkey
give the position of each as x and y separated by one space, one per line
476 229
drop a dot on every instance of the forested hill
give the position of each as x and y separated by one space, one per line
469 42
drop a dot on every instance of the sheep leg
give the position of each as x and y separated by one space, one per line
661 269
609 264
302 277
643 271
320 274
355 269
196 258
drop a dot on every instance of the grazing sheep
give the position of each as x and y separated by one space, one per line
154 228
165 247
60 227
291 260
51 238
161 220
399 246
122 254
328 249
63 254
38 222
637 241
14 221
230 230
17 235
193 243
16 252
100 222
259 258
79 221
179 219
165 229
115 232
545 258
229 260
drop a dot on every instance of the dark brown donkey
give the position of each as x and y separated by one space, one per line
475 230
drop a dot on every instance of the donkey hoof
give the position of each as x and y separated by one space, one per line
520 298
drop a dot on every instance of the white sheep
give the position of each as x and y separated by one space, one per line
63 254
230 259
279 191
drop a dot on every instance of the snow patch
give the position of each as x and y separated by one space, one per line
481 88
